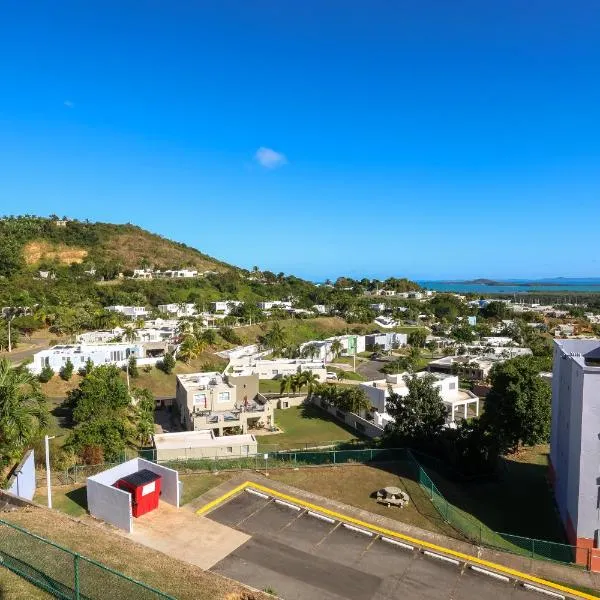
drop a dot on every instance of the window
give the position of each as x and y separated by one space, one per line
223 397
229 449
200 400
452 385
246 449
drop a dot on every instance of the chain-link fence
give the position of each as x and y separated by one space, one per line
66 574
478 533
405 463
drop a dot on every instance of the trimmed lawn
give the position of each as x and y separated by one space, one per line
304 425
196 484
518 501
13 587
69 499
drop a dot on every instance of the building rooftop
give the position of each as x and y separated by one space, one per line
198 439
202 381
585 352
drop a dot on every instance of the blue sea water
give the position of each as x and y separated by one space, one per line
565 285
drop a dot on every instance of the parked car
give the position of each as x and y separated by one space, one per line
331 375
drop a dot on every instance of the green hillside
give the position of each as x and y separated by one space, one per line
30 242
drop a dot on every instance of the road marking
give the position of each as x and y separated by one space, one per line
288 504
441 557
396 535
322 517
533 588
397 543
358 529
489 573
255 493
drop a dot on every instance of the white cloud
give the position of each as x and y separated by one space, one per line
68 104
269 158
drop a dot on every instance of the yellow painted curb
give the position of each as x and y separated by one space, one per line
389 533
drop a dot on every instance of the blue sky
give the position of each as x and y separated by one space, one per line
421 138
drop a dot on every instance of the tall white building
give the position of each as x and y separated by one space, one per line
575 443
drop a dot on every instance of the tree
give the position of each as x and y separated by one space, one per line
417 338
132 366
23 410
129 335
309 380
167 364
229 335
209 337
495 310
190 348
66 371
46 374
431 346
285 385
274 339
336 348
353 399
463 333
102 412
419 417
518 406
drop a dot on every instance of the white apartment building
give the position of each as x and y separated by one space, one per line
183 309
133 312
277 368
179 273
270 304
100 354
575 444
216 402
225 306
351 345
455 399
143 273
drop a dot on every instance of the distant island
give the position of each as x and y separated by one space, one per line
558 282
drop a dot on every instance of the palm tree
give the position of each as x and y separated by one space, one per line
129 335
23 409
285 385
296 382
310 380
190 348
336 348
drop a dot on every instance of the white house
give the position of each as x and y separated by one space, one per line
225 306
275 369
351 345
179 273
385 322
133 312
100 354
270 304
185 309
143 273
453 398
386 340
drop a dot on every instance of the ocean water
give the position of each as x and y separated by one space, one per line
592 285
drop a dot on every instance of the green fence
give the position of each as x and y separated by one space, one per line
478 533
468 527
66 574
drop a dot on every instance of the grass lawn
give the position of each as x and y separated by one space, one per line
302 425
179 579
269 386
13 587
518 501
195 485
351 375
69 499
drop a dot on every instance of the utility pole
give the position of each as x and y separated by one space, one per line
48 483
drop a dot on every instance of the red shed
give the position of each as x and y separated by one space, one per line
144 487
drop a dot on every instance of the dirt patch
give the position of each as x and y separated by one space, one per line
34 252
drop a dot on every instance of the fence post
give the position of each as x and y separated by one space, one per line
371 454
334 457
76 575
480 535
532 548
431 488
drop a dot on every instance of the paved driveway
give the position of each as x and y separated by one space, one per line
303 557
182 534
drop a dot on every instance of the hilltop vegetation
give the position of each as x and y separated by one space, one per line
30 242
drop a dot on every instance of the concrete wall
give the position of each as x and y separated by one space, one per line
113 505
249 449
170 480
108 503
361 425
245 386
21 482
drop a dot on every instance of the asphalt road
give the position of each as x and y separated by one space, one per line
301 557
371 369
17 356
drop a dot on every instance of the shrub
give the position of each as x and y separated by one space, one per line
229 335
167 364
92 455
133 367
46 374
66 371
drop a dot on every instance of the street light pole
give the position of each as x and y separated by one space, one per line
48 484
